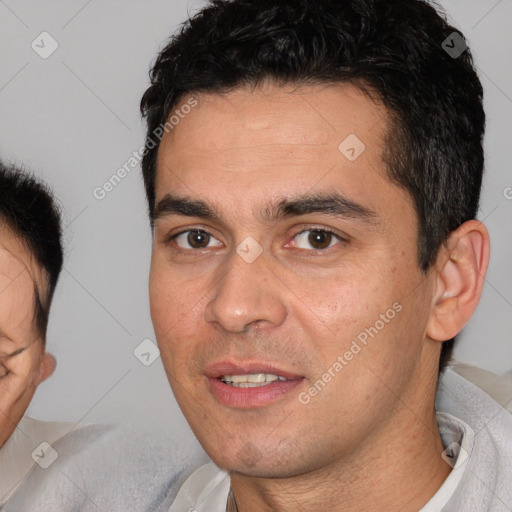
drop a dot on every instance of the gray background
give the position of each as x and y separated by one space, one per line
73 118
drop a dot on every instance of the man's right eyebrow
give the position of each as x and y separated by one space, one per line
171 205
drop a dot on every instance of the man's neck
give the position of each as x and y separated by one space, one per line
392 472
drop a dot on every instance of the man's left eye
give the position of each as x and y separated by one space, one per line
316 239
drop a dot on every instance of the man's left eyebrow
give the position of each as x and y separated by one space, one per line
330 204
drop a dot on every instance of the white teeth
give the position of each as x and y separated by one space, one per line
252 380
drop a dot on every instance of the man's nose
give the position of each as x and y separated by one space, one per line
247 293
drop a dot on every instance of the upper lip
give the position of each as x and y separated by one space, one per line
221 368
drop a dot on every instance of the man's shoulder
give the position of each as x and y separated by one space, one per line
471 402
475 395
107 467
499 387
486 482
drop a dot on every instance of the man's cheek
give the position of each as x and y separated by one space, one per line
340 300
171 296
176 349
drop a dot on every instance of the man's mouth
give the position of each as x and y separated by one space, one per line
252 380
250 384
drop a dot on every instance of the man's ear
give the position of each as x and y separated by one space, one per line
46 367
460 268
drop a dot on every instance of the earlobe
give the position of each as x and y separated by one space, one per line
46 368
461 267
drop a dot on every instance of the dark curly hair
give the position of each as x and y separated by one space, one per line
397 50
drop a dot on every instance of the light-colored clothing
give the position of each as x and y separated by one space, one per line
481 478
497 386
105 468
20 452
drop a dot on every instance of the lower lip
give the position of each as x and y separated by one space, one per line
245 398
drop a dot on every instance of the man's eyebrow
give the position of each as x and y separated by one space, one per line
171 205
331 204
326 203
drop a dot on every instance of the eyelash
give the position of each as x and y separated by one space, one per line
340 238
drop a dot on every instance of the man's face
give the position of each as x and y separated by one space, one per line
23 363
314 278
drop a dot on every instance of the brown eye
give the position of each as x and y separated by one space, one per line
316 239
198 239
320 239
195 239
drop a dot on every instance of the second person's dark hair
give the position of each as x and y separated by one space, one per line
28 208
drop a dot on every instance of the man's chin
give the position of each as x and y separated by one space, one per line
268 470
250 462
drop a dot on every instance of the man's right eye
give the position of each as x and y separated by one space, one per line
195 239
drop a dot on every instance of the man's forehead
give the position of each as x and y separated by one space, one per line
273 115
276 130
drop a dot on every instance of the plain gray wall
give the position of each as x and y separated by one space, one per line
73 118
